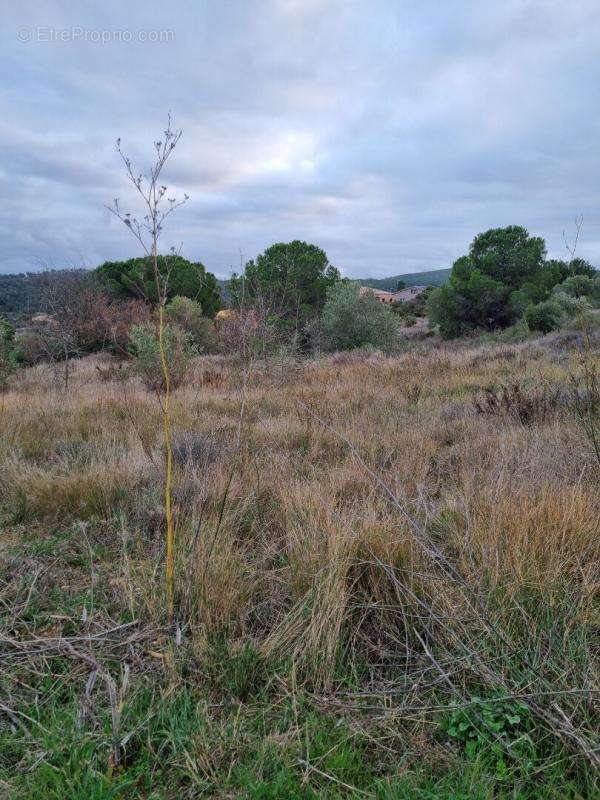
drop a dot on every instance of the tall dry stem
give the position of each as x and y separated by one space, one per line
147 232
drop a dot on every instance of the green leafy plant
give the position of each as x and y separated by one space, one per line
580 286
492 729
178 350
543 317
353 320
188 315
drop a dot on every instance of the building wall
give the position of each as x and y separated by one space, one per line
389 298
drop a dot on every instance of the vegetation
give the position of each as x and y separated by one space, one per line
385 579
352 320
145 348
415 307
135 278
504 273
544 316
8 352
580 285
187 314
266 572
19 295
288 282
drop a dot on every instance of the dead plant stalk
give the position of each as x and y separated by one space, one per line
147 232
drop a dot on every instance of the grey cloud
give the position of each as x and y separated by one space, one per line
390 133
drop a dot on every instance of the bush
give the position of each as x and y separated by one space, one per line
580 286
104 323
470 300
570 305
248 334
353 320
145 349
44 340
8 352
543 317
188 315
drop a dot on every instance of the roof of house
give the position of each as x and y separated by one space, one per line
394 297
409 293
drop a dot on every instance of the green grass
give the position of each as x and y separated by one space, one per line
181 746
228 723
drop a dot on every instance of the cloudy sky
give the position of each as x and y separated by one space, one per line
389 132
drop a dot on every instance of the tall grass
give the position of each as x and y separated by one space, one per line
376 540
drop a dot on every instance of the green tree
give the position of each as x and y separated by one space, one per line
135 278
561 270
509 255
503 274
469 300
353 320
287 280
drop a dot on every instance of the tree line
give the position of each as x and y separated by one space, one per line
289 296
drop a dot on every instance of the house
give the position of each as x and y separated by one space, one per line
389 298
382 296
404 295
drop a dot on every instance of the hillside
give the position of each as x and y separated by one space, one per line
19 294
434 277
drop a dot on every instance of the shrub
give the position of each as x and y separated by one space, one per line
188 315
580 286
8 352
179 350
570 305
353 320
44 340
409 320
249 334
525 407
470 300
543 317
105 323
117 320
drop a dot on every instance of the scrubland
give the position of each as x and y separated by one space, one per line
386 581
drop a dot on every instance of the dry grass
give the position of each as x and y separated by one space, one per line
284 539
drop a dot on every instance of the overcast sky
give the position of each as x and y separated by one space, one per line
389 132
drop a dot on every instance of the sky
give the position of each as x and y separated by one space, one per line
388 132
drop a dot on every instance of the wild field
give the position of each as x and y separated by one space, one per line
386 579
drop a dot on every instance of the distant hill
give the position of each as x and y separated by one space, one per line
19 294
434 277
